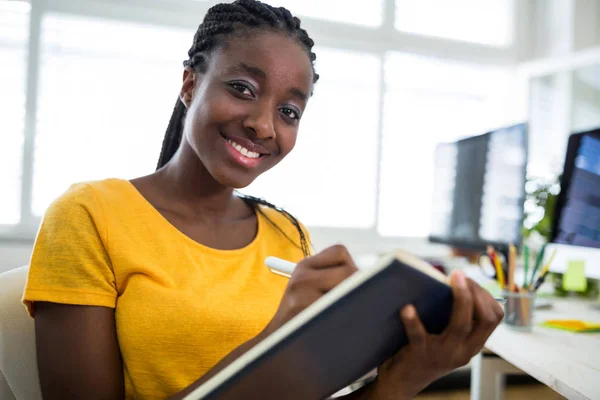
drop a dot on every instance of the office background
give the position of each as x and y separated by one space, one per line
87 88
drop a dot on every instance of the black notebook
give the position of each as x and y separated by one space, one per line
339 338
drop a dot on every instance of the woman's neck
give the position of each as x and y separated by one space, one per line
186 182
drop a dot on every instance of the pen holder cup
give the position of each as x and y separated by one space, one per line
518 310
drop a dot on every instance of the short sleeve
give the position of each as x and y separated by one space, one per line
70 262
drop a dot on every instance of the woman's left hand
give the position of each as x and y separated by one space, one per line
428 357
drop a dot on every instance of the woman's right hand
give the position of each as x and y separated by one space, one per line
313 277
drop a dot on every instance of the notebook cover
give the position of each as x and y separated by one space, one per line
345 341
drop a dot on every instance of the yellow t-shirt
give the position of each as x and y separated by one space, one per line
180 307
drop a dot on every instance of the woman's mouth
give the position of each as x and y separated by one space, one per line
242 149
242 155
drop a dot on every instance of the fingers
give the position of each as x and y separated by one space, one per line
461 321
415 331
330 257
324 271
322 280
487 315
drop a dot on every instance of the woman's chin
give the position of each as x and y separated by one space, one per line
235 180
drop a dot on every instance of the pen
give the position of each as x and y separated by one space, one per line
496 261
286 268
512 260
538 262
526 262
279 266
544 272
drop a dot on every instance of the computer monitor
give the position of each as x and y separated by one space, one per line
479 190
577 212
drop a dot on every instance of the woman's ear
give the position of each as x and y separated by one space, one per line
188 86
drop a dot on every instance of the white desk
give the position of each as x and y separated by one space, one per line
567 362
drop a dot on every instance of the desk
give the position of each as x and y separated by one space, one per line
567 362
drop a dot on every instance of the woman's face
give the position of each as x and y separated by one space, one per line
244 111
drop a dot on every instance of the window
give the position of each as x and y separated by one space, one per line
428 101
107 79
107 90
486 22
331 174
14 30
366 13
586 97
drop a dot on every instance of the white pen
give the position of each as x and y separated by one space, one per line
286 268
279 266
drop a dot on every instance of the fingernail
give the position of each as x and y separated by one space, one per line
408 312
459 278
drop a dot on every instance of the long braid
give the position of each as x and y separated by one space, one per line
173 135
305 246
227 20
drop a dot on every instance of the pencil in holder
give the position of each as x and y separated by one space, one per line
518 310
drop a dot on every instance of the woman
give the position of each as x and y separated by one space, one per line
146 288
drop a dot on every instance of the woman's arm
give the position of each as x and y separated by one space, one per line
312 277
77 352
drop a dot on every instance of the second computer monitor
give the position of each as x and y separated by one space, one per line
577 214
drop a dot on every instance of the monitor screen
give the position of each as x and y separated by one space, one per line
577 215
479 189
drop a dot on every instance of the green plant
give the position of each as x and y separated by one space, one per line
540 201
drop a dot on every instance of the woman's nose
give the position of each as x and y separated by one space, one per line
261 122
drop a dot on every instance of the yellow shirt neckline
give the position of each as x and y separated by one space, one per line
162 221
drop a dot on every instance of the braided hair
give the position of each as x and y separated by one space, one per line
236 20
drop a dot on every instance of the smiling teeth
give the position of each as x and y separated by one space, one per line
243 150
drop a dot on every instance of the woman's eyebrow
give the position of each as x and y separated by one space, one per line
242 67
299 94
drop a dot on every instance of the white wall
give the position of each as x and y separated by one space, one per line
587 27
554 28
586 98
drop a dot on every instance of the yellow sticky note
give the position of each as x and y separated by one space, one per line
572 325
574 279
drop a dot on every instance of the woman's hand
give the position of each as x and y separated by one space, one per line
313 277
427 357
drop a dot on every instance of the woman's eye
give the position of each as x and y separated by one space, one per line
290 113
243 89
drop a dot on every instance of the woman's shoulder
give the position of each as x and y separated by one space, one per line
87 199
89 193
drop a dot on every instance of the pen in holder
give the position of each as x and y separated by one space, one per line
518 309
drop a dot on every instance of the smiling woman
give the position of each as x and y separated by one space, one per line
237 115
145 288
250 97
